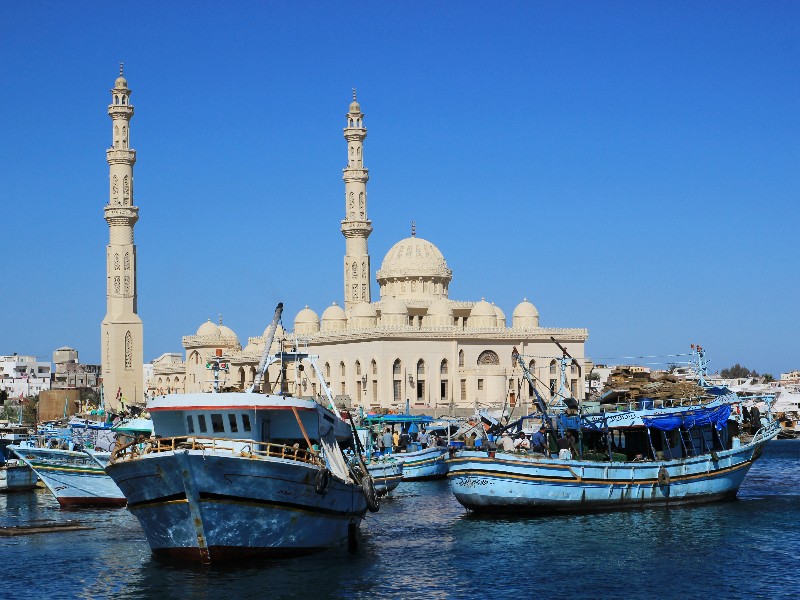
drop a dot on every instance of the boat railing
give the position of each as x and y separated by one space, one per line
236 447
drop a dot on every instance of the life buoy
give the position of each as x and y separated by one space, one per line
663 476
368 487
322 482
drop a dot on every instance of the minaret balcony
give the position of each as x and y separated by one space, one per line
120 156
120 111
355 174
121 215
356 228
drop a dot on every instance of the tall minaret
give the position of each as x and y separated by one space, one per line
356 227
121 330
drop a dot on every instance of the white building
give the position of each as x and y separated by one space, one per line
23 376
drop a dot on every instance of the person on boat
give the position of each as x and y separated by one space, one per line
386 441
506 443
396 441
404 440
567 442
423 438
539 440
469 442
522 442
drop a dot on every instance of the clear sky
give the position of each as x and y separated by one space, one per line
629 167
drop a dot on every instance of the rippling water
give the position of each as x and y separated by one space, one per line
423 543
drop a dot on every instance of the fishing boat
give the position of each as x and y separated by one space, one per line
386 471
420 461
71 461
245 474
15 475
680 451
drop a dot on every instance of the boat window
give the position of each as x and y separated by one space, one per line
232 422
189 424
217 426
246 422
201 421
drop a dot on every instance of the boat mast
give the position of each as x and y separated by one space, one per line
263 364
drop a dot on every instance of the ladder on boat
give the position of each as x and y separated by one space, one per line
687 442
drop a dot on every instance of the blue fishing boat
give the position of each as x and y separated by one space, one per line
71 461
243 474
15 475
682 451
386 472
420 461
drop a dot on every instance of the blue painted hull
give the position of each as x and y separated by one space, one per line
74 478
16 477
208 507
386 475
430 463
517 483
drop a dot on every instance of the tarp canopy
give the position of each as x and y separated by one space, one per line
694 418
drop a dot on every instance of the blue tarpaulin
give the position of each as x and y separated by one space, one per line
694 418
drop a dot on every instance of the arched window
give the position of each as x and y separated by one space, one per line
128 351
488 357
552 367
420 368
443 368
397 367
374 367
358 368
327 370
341 368
460 358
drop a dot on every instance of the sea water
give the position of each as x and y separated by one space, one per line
423 544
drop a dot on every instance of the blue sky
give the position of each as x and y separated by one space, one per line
630 167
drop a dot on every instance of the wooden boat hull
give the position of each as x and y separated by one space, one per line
209 507
74 478
509 483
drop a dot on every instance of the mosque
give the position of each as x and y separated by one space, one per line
414 344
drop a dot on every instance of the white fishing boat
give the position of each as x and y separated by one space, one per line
241 474
387 473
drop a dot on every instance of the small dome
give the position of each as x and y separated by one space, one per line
500 315
306 321
334 318
482 315
334 313
355 107
525 309
440 314
393 306
482 309
440 307
363 309
306 316
278 331
525 316
208 328
363 316
227 333
120 82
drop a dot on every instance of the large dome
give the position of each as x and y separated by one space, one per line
414 257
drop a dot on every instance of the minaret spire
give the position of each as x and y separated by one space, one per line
356 227
121 330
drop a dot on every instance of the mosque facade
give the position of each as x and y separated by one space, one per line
413 345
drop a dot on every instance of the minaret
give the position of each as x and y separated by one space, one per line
121 330
356 227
